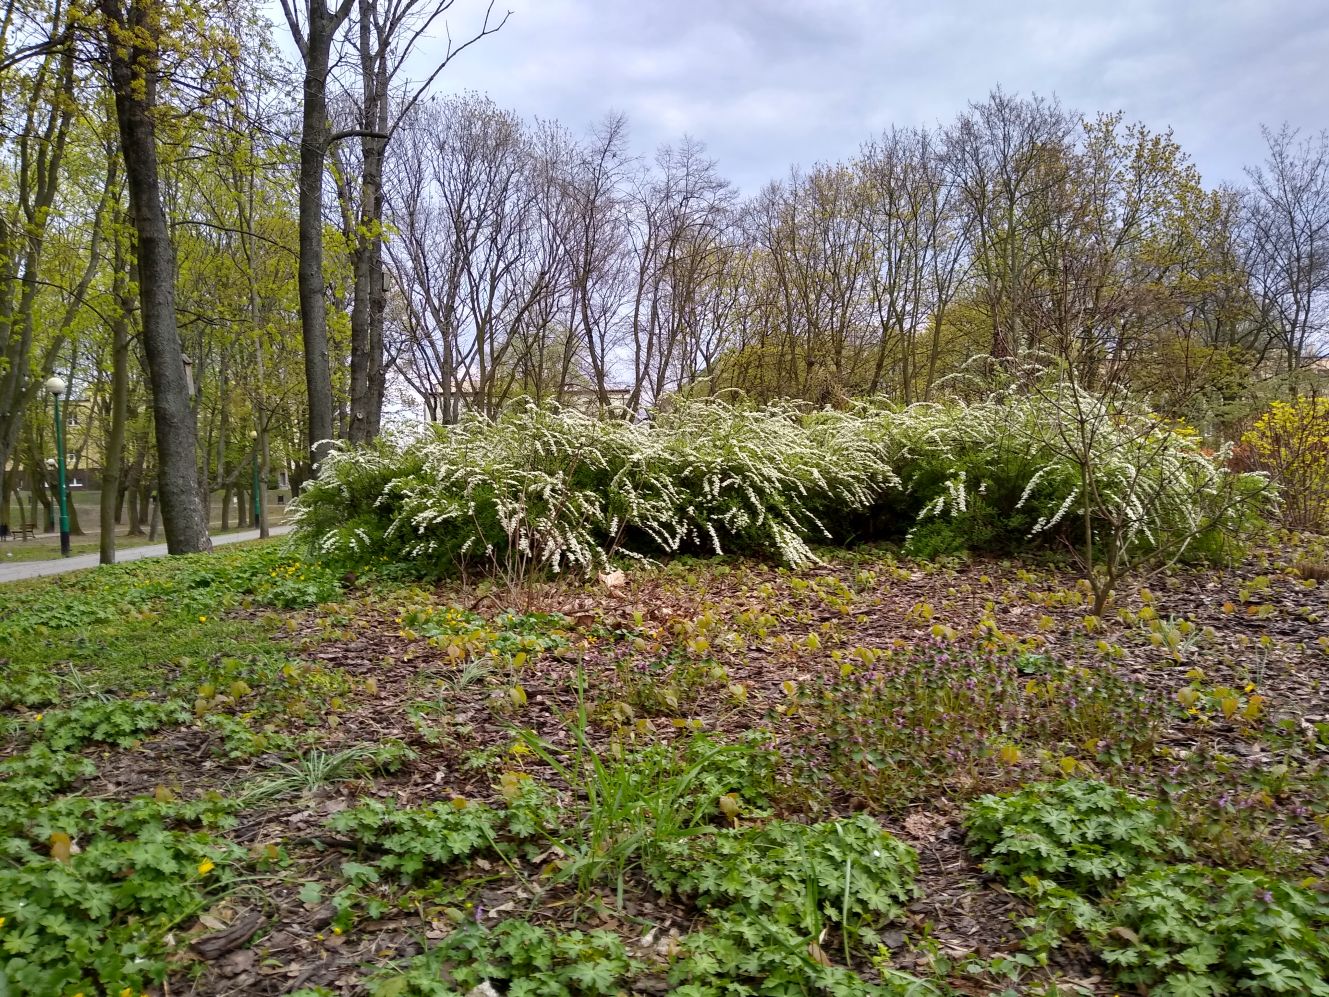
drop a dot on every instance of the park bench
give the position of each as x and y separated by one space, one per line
27 531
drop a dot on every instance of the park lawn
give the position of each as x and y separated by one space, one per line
248 773
86 504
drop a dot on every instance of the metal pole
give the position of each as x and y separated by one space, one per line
64 493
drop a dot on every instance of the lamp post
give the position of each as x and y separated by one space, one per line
253 439
57 387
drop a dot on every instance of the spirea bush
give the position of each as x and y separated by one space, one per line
555 490
1055 462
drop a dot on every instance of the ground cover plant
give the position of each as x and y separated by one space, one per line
253 773
1095 860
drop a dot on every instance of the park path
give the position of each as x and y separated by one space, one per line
36 569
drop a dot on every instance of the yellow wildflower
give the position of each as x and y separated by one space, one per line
206 866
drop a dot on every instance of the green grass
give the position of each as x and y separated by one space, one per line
106 660
46 545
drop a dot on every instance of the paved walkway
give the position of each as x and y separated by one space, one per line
59 565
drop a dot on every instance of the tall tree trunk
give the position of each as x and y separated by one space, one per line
367 374
367 310
133 81
135 486
113 459
4 499
223 434
315 44
388 29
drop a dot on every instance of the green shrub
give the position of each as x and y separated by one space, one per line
1043 459
35 775
1081 834
775 894
21 687
1290 442
745 771
534 960
555 490
1185 931
1094 859
850 873
415 843
740 953
941 538
117 721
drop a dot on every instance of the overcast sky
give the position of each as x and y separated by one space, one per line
768 83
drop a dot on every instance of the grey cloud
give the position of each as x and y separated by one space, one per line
768 83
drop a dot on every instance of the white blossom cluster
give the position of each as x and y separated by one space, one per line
561 491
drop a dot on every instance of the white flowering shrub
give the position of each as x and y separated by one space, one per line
553 489
720 479
523 493
546 489
1106 479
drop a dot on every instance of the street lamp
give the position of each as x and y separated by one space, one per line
253 438
57 386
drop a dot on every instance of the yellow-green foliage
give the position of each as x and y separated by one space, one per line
1291 442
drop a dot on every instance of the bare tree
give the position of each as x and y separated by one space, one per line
683 211
1288 232
594 233
918 246
477 266
1002 154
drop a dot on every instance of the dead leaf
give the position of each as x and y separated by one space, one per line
923 826
729 805
62 848
816 954
235 963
